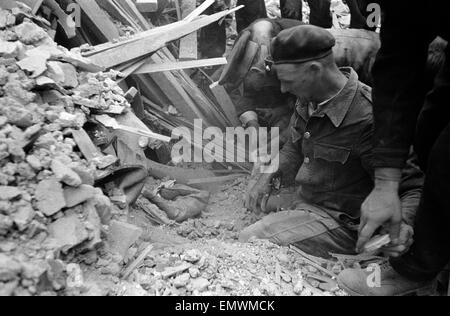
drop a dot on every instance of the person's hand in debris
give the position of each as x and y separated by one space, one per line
259 190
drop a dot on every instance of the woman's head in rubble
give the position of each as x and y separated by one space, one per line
309 80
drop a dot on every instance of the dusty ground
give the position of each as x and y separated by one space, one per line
209 259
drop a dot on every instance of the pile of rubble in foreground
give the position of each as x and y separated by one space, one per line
49 207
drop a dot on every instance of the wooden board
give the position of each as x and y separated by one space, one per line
99 19
188 44
169 66
152 42
225 102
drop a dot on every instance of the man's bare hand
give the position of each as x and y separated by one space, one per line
381 208
258 191
405 241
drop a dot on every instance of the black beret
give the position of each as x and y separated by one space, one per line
301 44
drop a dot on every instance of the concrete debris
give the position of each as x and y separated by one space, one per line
182 280
9 193
23 217
36 64
49 207
29 33
49 197
122 236
9 268
199 285
75 278
64 174
76 196
68 232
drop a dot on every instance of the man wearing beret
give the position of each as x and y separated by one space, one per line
399 94
329 150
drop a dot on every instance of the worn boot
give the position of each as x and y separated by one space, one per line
359 282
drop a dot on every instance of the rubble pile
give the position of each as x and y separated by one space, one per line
50 210
217 268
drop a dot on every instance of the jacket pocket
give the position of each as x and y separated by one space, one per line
331 153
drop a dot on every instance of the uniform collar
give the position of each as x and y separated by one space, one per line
336 108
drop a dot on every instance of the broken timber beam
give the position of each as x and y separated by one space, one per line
106 29
169 66
154 41
225 102
188 44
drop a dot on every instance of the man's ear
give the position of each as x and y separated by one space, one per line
315 68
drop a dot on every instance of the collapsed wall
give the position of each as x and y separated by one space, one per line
50 211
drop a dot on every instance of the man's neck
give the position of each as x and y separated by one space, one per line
329 88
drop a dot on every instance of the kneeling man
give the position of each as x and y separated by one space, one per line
329 151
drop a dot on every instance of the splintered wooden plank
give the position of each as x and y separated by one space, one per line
188 44
225 102
169 66
145 46
135 12
194 14
105 27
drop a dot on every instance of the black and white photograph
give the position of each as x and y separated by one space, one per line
225 155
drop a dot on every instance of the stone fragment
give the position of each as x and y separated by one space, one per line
29 33
194 272
64 174
192 256
9 193
182 280
6 19
34 162
76 196
6 225
33 270
68 232
200 285
49 197
23 217
75 278
9 268
55 278
7 289
122 236
84 174
8 49
70 76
